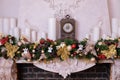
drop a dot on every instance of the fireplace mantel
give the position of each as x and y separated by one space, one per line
114 70
63 68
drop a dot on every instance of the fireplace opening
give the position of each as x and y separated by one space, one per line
31 72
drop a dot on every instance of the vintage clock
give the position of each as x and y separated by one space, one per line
67 27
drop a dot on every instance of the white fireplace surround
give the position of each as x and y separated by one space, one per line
65 68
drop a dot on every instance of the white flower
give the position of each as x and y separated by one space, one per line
25 50
11 41
50 49
80 47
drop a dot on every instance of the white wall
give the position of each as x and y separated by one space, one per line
114 8
9 8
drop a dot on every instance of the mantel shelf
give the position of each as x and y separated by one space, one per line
31 62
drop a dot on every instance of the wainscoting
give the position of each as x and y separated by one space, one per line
30 72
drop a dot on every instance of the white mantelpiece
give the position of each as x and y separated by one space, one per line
115 70
8 69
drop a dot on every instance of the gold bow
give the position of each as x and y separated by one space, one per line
11 49
63 52
111 52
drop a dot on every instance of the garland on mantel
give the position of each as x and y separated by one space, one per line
46 50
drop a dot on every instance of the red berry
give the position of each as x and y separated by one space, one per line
101 56
73 46
116 44
49 40
42 41
74 53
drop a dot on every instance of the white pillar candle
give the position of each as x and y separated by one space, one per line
119 31
43 35
114 35
33 36
11 32
13 22
27 33
6 26
114 26
104 36
96 33
52 29
16 33
1 25
87 36
38 36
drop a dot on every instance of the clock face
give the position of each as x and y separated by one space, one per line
68 28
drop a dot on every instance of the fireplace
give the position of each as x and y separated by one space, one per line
30 72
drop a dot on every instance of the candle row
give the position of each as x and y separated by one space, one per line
6 24
9 26
115 24
33 35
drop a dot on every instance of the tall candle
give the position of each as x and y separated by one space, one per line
114 35
1 25
52 29
104 36
87 36
11 32
43 35
6 26
27 33
16 33
96 33
33 36
114 26
38 36
13 22
119 31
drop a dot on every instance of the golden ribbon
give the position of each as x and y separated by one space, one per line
11 49
63 52
111 52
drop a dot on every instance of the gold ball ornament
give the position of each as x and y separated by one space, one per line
18 52
80 54
72 55
19 43
92 59
99 43
33 51
23 54
69 48
28 60
33 55
55 43
42 51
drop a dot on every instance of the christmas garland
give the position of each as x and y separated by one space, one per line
46 49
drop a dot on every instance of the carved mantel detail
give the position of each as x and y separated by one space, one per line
8 69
